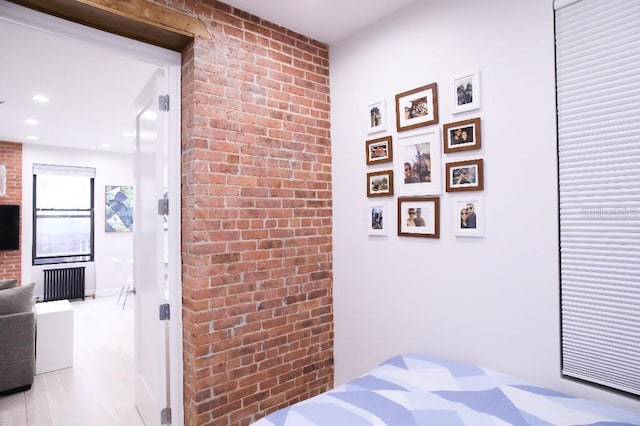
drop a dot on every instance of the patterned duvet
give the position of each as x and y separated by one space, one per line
422 390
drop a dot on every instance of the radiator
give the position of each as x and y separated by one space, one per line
65 283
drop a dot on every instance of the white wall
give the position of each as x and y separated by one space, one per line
492 301
102 277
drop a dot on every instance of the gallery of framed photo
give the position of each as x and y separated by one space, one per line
417 107
465 176
380 184
464 135
468 216
419 217
377 116
420 164
378 219
465 91
379 150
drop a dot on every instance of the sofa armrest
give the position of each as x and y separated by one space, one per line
17 350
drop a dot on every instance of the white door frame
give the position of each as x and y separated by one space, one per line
171 61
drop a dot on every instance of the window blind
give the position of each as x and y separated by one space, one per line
53 169
598 100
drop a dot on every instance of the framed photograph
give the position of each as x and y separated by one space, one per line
380 184
419 217
468 217
378 219
465 176
465 91
417 107
420 164
462 135
3 180
379 150
377 117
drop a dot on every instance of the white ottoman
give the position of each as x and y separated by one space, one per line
54 336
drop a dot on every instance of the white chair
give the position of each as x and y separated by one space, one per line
126 270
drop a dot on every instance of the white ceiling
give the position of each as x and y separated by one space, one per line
327 21
92 91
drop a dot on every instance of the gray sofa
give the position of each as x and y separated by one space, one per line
17 337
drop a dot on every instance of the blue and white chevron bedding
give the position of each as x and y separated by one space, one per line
414 389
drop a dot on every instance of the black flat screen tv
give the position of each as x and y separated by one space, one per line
9 227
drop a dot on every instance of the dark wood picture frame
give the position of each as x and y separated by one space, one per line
410 209
464 135
417 107
377 186
379 150
465 175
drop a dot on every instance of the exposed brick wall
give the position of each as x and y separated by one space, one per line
256 219
11 158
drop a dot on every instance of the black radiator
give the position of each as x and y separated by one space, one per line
66 283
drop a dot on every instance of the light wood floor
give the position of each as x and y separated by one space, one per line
98 389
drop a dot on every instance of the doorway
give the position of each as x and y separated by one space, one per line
170 62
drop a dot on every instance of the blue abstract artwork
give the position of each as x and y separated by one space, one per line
118 209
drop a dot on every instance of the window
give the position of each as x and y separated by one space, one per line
598 95
63 214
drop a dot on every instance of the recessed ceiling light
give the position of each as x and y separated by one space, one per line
127 134
105 145
31 121
32 138
40 98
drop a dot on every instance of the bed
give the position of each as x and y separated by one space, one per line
416 389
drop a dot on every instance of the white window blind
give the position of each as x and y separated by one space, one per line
54 169
598 92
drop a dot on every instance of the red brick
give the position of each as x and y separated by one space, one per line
11 158
256 174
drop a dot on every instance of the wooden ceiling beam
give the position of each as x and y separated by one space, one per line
137 19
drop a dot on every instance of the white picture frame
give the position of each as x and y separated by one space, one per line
411 154
464 226
377 116
378 219
3 180
465 93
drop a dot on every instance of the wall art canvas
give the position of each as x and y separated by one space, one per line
118 209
